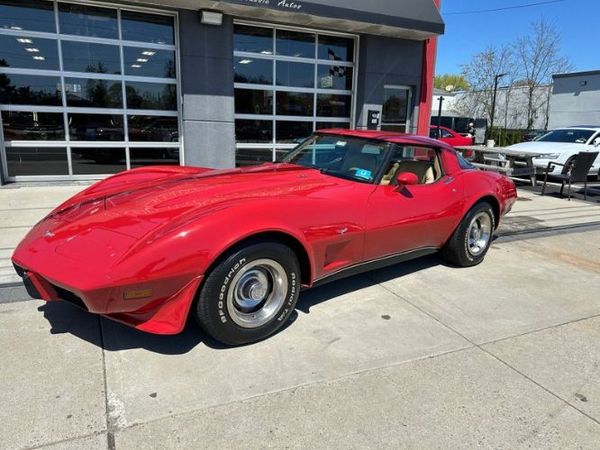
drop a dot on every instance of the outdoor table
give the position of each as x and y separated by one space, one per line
513 163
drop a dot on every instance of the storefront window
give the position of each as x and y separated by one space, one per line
88 57
154 156
33 126
295 74
142 95
96 127
149 62
91 161
18 89
27 161
253 40
296 44
93 93
28 53
253 70
32 15
335 48
288 83
100 115
83 20
137 26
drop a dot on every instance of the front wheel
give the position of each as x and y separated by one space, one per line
250 294
472 238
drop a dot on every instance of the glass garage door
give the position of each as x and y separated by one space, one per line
289 83
86 91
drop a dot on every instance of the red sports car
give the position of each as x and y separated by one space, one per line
234 247
449 136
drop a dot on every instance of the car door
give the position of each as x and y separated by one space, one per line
421 216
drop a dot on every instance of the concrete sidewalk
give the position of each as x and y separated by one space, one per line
419 355
20 208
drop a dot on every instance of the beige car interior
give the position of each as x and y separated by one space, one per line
427 172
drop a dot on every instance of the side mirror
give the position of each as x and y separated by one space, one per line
407 179
596 142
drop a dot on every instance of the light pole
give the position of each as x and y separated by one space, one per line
449 88
496 78
441 100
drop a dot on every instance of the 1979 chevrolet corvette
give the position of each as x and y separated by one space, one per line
232 248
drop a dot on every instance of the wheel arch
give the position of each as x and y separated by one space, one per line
304 259
493 201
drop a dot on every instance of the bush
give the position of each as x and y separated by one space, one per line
504 137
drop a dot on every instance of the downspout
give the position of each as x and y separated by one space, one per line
427 75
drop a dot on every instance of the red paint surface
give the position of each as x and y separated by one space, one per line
427 75
161 228
456 139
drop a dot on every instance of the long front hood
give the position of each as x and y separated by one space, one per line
136 210
107 221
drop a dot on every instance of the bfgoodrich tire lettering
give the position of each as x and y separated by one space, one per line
250 294
472 238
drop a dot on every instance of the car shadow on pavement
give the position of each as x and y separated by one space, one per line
113 336
338 288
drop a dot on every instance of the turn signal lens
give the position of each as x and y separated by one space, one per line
137 294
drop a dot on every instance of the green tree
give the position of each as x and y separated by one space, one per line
458 82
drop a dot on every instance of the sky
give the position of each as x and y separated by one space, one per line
578 22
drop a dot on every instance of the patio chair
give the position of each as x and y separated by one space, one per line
573 172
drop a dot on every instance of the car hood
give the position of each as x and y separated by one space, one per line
546 147
136 203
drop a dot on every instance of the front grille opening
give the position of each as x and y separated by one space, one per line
69 297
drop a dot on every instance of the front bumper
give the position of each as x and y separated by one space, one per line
157 314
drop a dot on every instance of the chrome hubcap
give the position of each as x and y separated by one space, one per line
257 293
478 236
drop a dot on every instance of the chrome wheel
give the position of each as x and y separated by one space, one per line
257 293
479 233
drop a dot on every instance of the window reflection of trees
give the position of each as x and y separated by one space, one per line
139 97
13 93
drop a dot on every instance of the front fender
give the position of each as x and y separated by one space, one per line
194 242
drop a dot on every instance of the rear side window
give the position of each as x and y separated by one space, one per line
463 163
424 162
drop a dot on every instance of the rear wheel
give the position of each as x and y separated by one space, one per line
472 238
250 294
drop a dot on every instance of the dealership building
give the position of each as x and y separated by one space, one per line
90 88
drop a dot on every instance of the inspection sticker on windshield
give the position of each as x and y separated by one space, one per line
363 173
340 143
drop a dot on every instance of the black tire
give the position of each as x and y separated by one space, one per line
457 249
217 309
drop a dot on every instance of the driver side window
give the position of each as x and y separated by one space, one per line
424 162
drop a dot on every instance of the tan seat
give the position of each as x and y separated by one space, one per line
387 178
423 170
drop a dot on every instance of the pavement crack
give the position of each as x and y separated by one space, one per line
109 404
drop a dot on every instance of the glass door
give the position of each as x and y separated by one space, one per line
396 108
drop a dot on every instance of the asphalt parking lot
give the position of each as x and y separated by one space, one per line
419 355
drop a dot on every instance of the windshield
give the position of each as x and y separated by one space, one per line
342 156
568 136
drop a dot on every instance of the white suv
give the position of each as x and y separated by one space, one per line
561 146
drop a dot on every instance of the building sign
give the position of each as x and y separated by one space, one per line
280 4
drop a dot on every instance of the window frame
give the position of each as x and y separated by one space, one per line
124 111
273 87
